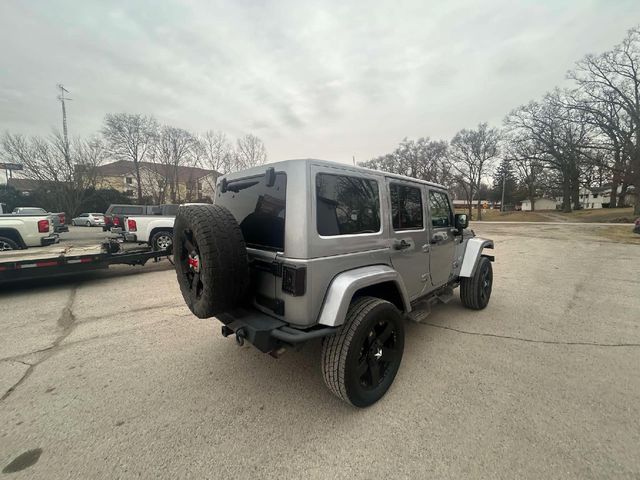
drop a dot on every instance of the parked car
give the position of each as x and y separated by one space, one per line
116 214
57 219
636 228
313 249
89 220
24 231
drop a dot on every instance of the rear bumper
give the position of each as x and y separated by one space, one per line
61 228
50 240
266 333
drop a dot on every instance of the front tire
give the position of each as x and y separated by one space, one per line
475 291
360 362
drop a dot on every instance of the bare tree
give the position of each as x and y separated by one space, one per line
64 171
557 135
472 154
250 152
610 84
424 158
130 137
173 149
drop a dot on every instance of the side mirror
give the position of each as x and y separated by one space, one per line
461 221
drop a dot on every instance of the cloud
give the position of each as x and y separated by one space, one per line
325 79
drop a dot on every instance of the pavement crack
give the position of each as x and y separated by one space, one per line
66 321
532 340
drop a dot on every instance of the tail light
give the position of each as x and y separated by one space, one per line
107 219
43 226
131 225
62 218
116 221
294 280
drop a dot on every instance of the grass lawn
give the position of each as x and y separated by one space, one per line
601 215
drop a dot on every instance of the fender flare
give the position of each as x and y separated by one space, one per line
346 284
472 255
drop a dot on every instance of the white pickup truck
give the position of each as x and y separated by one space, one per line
24 231
156 230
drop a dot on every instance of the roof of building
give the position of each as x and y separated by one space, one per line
126 167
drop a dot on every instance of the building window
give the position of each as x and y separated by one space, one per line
129 181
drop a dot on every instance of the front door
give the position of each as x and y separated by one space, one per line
409 245
442 238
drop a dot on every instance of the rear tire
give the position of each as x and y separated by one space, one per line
7 244
210 258
360 362
475 291
88 223
162 240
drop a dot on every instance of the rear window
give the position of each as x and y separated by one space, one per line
346 205
258 208
132 210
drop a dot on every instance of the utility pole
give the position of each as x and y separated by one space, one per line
62 99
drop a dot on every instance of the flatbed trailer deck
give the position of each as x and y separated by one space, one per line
57 260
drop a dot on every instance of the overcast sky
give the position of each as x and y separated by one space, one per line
312 79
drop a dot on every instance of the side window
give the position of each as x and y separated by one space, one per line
346 205
440 209
406 207
116 210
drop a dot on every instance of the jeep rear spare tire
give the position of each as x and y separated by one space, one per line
210 259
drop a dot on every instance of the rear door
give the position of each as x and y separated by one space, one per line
409 244
441 238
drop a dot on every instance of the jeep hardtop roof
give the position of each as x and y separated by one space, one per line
282 165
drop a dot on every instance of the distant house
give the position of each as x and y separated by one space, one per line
600 197
189 183
539 204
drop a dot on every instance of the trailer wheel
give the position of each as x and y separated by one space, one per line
210 259
7 244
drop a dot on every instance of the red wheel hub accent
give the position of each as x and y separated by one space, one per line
194 262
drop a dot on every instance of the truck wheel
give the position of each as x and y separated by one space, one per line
210 258
475 291
162 240
7 244
360 362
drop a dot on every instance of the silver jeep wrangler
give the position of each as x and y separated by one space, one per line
306 249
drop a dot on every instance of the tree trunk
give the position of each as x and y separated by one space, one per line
575 189
623 193
479 209
532 199
566 194
613 197
137 168
470 201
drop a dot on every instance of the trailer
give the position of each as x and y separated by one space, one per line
57 260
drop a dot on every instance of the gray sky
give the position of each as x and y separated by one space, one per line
312 79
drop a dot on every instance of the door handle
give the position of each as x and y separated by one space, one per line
401 245
438 237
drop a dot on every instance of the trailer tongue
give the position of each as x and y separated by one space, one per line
67 260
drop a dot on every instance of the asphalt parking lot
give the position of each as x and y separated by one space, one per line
110 375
